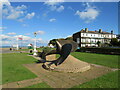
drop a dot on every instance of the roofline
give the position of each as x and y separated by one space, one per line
98 33
94 33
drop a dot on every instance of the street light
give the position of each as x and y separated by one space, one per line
35 44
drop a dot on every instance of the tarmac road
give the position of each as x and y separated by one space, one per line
7 51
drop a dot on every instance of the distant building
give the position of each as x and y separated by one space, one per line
30 46
86 38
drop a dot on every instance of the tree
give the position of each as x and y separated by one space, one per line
61 39
53 42
106 44
69 38
98 43
119 43
114 42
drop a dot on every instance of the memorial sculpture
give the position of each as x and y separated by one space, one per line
65 62
63 48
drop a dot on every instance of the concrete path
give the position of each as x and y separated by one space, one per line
22 84
66 80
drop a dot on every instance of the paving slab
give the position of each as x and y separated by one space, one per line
22 84
71 64
66 80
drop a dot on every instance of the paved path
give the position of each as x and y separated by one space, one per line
22 84
66 80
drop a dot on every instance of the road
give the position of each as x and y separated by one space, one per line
6 50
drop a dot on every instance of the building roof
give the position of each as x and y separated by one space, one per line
83 31
29 45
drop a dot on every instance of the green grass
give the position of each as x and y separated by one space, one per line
101 59
40 85
23 50
109 80
12 67
13 70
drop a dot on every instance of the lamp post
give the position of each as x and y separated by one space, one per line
35 44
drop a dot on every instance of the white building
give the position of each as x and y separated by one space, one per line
90 38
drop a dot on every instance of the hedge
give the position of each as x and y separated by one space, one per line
114 51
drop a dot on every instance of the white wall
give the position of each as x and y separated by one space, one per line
87 40
83 45
94 38
97 35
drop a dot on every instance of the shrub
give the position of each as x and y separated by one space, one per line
101 50
46 49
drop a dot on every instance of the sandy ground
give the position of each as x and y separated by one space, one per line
4 48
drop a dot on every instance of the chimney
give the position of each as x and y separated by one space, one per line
100 30
112 32
82 30
86 29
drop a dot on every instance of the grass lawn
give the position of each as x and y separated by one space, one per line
12 68
101 59
40 85
109 80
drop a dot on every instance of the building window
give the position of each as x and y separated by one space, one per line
78 40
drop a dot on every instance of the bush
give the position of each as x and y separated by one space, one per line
46 49
114 42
